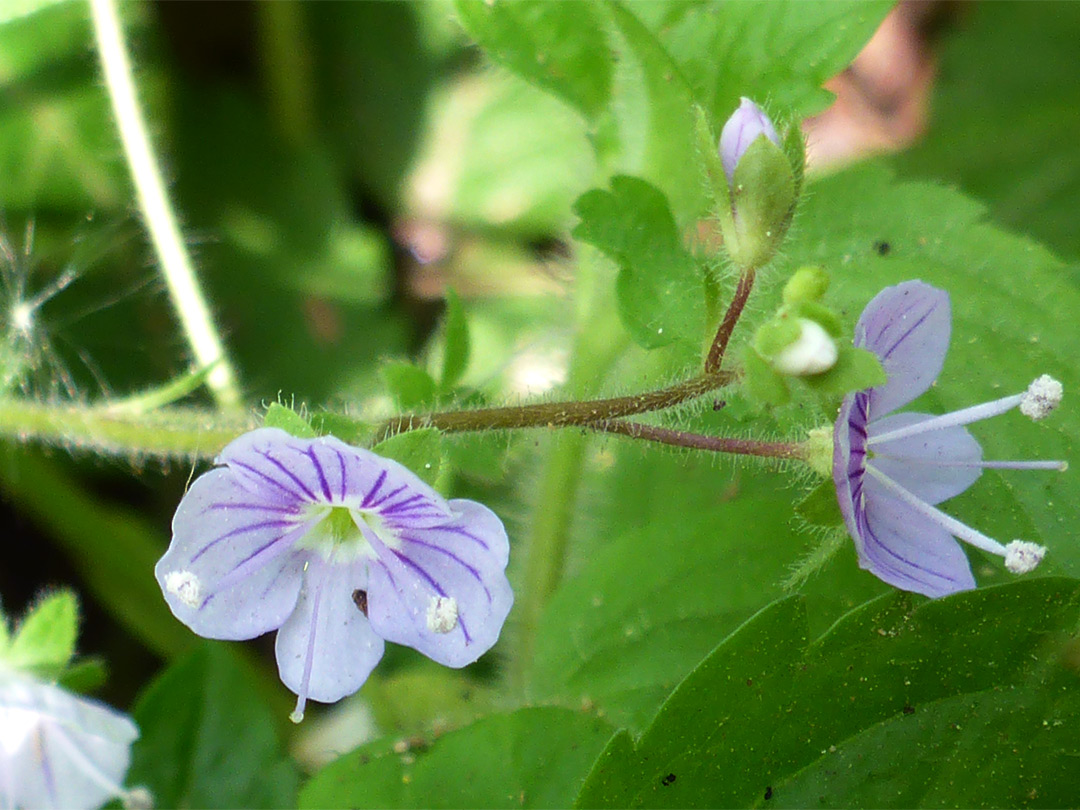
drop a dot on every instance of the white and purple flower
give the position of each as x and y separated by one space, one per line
891 469
338 549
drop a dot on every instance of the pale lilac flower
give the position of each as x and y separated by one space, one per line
890 469
58 750
338 549
744 127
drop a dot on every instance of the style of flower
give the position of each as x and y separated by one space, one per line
337 549
891 469
58 750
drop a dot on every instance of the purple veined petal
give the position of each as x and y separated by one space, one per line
58 750
270 461
906 549
849 454
327 648
929 465
445 591
230 571
908 328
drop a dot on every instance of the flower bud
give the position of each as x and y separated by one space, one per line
744 127
755 179
807 284
813 352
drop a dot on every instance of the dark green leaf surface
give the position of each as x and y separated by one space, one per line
420 450
533 757
206 740
660 293
766 704
455 342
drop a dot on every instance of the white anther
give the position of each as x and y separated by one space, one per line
186 587
442 614
1022 556
812 353
1042 397
138 798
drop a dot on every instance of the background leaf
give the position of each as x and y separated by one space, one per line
533 757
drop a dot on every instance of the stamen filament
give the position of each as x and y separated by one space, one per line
964 416
1059 466
959 530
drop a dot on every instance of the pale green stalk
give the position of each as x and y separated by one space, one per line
175 262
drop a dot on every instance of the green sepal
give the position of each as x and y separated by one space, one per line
825 317
420 450
819 507
455 343
763 196
775 335
44 642
284 418
409 385
807 284
348 430
764 384
794 146
855 370
712 169
85 675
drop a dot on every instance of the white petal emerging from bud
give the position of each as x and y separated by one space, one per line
812 353
1042 396
442 614
1022 556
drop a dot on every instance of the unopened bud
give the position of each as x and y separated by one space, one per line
744 127
813 352
807 284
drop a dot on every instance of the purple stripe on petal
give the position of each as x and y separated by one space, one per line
423 573
288 472
268 478
475 573
344 477
257 507
463 533
388 496
266 524
374 490
46 767
310 452
390 509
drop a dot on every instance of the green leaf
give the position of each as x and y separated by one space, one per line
45 639
284 418
764 384
455 342
780 52
206 740
85 675
420 450
558 46
766 705
659 288
14 9
347 429
649 604
763 196
819 507
409 385
534 757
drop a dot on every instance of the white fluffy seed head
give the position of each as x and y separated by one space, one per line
1022 556
185 586
1042 396
812 353
442 614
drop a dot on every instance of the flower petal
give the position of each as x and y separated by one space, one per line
327 648
907 327
58 750
906 549
922 464
228 572
463 560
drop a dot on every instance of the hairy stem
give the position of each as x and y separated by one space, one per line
176 265
163 433
727 325
558 414
696 441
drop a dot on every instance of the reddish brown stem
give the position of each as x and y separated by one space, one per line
727 325
695 441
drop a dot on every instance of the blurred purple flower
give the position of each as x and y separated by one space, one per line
890 470
742 129
338 549
59 750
